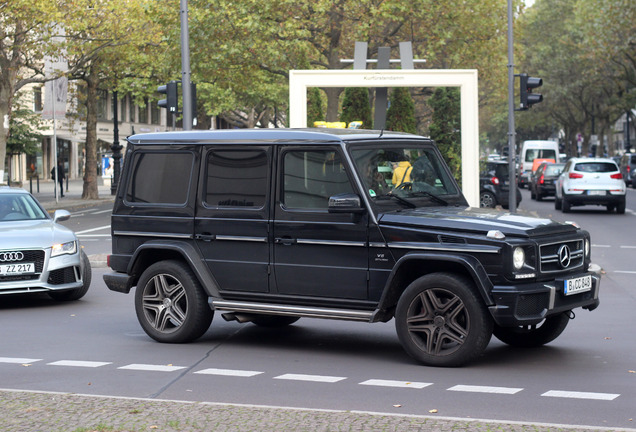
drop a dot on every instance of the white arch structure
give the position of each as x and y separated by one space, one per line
465 79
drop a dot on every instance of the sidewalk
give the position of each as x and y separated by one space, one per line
45 194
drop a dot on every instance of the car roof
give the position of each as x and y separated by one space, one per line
273 136
12 190
578 160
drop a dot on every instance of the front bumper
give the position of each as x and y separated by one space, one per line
531 303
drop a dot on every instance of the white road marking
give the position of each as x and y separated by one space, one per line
18 360
399 384
76 363
485 389
229 372
93 229
102 211
625 271
628 247
314 378
601 246
153 368
580 395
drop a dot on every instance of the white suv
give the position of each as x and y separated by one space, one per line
596 181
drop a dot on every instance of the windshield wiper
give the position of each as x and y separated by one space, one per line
430 195
401 200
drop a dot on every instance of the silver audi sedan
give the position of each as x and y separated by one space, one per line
37 254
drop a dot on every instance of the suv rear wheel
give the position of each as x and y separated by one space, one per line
441 321
171 306
533 335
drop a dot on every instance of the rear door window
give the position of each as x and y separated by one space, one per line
160 177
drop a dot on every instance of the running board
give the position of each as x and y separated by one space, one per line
300 311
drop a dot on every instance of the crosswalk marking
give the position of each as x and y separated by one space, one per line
485 389
399 384
228 372
18 360
76 363
153 368
580 395
314 378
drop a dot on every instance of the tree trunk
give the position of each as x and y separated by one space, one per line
333 103
90 170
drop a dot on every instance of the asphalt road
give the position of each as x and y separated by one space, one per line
586 378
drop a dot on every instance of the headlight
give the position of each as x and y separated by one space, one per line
518 258
587 248
64 248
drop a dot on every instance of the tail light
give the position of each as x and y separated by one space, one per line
494 180
108 260
617 176
541 179
576 175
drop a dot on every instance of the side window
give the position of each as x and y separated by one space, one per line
311 177
160 178
236 178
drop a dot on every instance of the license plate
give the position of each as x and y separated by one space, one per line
577 285
596 192
17 269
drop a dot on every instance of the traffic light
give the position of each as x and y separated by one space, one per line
172 97
527 83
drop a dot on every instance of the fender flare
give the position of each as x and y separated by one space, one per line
473 267
190 255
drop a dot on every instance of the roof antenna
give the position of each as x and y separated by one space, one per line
381 133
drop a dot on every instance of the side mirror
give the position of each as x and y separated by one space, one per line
345 203
61 216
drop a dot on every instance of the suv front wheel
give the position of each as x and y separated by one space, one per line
441 321
171 306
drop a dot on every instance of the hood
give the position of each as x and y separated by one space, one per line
475 220
38 234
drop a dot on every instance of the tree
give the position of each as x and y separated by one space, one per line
315 111
356 107
23 136
27 37
401 113
445 126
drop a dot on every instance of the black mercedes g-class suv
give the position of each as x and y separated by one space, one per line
266 226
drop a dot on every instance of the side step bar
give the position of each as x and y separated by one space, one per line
301 311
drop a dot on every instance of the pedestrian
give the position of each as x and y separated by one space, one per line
60 177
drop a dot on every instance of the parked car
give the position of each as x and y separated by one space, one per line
494 186
267 226
37 254
594 181
627 166
543 178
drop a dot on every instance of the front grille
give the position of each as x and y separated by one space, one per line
30 256
62 276
561 256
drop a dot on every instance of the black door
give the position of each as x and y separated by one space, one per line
317 253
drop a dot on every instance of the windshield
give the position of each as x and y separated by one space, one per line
416 175
19 207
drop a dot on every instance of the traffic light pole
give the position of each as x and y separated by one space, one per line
185 68
512 181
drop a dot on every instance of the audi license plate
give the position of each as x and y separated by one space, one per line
17 269
577 285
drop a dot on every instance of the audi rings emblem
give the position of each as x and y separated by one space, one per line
564 256
11 256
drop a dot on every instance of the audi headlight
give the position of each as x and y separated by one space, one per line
518 258
64 249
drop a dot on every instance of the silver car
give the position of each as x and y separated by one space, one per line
37 254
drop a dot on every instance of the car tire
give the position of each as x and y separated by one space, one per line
611 208
77 293
441 320
487 200
620 207
274 321
170 303
533 335
532 194
557 203
565 205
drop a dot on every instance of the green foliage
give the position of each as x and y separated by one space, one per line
23 132
356 107
401 113
315 106
445 126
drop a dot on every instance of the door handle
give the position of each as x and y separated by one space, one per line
205 237
287 241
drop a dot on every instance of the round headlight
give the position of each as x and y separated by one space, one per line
518 258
